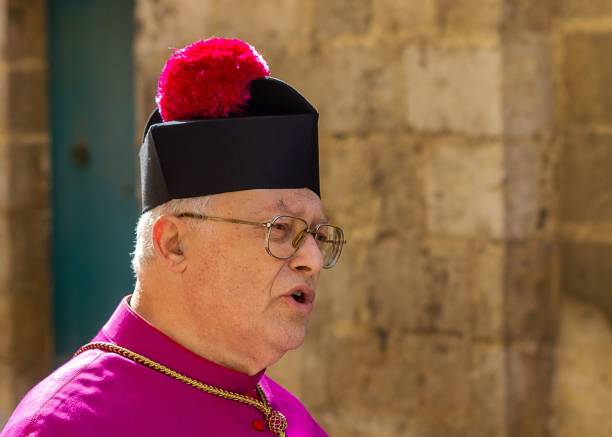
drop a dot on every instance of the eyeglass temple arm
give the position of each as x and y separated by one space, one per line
221 219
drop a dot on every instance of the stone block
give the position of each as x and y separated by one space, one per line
334 18
30 350
529 16
357 89
397 162
461 292
485 272
527 85
25 344
585 177
148 66
586 8
529 188
586 73
7 403
410 17
31 255
5 168
397 294
26 176
6 326
4 101
422 385
26 31
347 185
277 29
385 377
6 267
169 24
470 16
586 273
464 189
529 368
582 385
441 390
531 302
447 385
371 185
487 378
456 89
27 101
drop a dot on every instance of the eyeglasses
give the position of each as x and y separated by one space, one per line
286 234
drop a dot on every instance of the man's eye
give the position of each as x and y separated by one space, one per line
280 232
281 227
322 238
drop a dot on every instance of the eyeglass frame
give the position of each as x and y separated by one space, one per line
268 225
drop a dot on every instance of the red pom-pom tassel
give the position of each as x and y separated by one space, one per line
208 79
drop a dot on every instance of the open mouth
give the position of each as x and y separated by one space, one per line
298 296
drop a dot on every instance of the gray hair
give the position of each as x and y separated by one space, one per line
144 251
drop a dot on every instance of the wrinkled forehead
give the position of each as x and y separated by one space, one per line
264 203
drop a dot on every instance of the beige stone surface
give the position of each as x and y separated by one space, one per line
586 273
582 392
339 18
26 173
368 83
529 366
586 76
408 17
532 186
6 326
531 301
528 98
582 383
461 291
585 177
7 401
24 21
455 89
470 16
586 8
25 87
530 16
464 188
25 334
7 265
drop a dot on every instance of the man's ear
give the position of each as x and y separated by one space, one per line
168 240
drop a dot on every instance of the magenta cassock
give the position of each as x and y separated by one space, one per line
100 393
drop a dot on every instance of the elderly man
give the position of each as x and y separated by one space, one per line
229 249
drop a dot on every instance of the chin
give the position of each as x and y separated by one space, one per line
290 339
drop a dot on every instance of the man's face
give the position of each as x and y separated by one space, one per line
235 289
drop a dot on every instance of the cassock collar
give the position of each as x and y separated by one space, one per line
128 329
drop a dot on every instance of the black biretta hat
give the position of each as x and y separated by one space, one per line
270 141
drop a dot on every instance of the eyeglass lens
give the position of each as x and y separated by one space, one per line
288 233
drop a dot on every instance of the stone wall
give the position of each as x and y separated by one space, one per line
25 333
582 385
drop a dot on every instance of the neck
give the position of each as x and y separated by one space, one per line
168 318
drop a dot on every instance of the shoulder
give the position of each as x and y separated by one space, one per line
297 414
62 401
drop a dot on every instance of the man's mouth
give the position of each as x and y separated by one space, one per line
298 296
303 296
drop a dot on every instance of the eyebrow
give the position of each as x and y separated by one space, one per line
280 204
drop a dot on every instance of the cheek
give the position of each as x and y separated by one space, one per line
234 271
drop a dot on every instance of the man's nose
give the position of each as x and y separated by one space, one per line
308 257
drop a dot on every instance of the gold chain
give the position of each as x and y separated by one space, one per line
275 420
